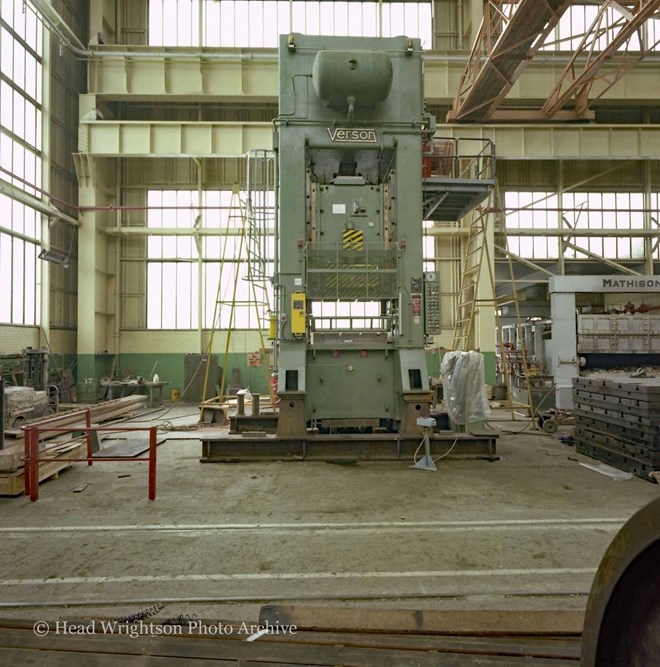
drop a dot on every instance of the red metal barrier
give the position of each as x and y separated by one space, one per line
32 454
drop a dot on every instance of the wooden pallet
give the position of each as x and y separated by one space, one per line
13 484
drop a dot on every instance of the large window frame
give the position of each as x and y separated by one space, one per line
21 84
576 212
258 23
172 264
571 28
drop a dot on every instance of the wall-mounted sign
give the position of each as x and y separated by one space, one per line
353 135
632 283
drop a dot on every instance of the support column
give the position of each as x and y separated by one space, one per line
97 181
648 222
446 35
447 255
485 324
44 305
561 264
103 19
563 360
473 12
539 346
199 246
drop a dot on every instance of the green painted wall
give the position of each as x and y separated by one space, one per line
170 367
93 366
489 367
433 360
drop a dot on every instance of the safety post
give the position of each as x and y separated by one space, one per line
152 463
88 424
33 468
26 458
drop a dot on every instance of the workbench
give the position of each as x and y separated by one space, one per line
122 388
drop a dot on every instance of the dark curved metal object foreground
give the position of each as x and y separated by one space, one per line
622 623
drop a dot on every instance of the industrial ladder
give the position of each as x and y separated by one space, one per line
237 220
477 253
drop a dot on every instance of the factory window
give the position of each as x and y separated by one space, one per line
578 18
428 247
580 211
531 210
258 23
172 263
20 147
655 224
607 210
347 315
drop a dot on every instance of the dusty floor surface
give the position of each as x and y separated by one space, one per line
525 532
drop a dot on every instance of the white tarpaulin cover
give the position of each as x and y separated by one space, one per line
464 386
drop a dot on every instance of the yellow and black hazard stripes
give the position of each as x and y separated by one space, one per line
353 239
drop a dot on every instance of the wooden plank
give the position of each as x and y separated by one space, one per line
548 647
100 412
534 647
219 648
48 658
426 621
14 484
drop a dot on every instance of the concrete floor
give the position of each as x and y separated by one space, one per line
524 532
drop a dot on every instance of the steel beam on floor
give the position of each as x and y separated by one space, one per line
266 422
229 448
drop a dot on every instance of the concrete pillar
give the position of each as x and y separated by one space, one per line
119 21
103 19
539 346
446 25
473 13
528 338
564 364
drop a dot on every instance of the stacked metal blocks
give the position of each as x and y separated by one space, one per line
617 420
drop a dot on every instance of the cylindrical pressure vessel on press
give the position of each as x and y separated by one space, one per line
363 75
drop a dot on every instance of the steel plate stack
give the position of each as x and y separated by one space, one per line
617 420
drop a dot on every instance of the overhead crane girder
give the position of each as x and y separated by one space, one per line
511 33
